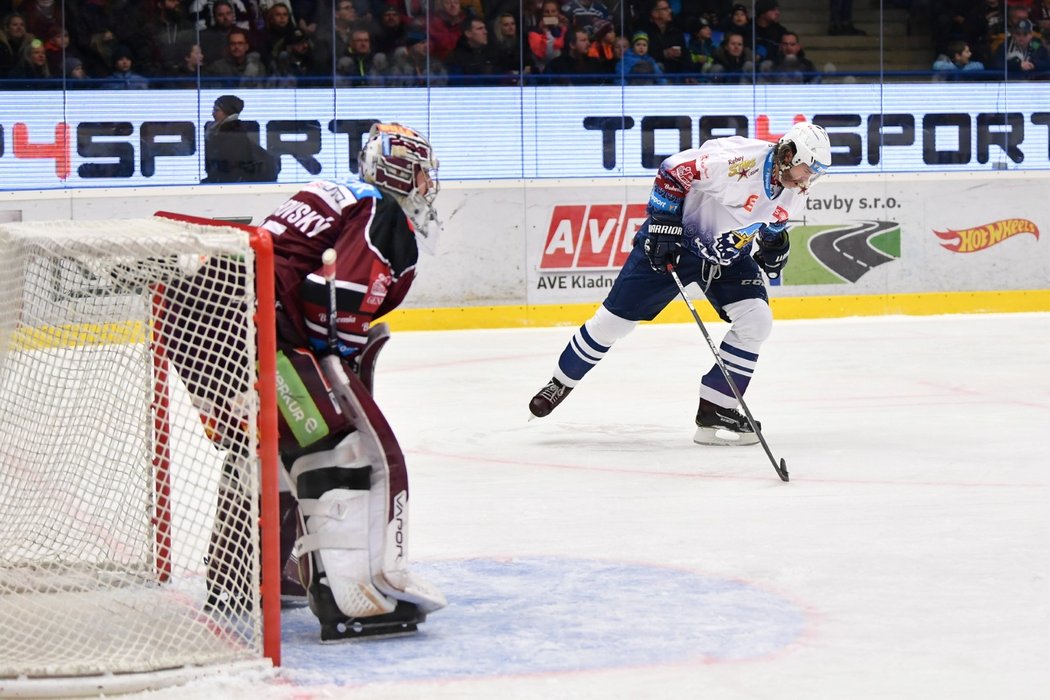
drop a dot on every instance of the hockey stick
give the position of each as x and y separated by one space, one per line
328 262
331 365
378 334
780 468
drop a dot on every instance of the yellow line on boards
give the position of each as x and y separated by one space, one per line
77 334
546 315
918 304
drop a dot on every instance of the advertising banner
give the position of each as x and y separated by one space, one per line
92 138
558 242
859 236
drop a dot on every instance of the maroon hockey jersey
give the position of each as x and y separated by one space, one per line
375 263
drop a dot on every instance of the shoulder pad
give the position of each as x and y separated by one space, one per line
361 189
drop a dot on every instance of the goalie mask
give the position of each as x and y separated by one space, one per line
807 145
400 161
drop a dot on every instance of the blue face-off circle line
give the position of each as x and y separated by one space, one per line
549 615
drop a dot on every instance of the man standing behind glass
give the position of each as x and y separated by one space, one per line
230 152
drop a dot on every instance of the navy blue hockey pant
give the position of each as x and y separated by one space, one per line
639 293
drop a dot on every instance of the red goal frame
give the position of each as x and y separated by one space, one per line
269 510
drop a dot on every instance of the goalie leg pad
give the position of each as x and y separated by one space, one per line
293 594
333 493
388 529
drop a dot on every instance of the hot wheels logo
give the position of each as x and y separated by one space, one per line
590 237
971 240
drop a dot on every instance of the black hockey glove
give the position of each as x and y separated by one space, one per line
772 253
663 242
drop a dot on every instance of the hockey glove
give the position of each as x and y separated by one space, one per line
663 242
772 253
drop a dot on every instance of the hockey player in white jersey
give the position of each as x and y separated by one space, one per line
707 208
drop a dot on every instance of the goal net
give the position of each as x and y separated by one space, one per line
132 473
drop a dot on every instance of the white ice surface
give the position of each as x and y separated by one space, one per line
598 553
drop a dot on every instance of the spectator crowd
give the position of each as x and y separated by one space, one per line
135 44
976 37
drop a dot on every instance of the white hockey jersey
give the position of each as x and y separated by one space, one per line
723 193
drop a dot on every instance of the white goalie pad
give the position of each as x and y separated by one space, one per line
336 531
388 501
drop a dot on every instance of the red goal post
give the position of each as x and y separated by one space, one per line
116 437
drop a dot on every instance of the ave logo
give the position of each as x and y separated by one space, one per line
584 237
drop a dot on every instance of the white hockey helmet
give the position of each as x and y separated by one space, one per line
811 147
391 159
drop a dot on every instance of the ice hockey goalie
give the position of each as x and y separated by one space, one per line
345 515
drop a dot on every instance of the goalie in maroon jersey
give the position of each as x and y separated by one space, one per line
346 509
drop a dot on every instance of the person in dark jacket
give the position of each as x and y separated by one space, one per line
230 152
473 61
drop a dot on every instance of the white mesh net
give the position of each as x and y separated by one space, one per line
128 476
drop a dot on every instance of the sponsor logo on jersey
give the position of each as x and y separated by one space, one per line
701 166
296 405
971 240
377 288
668 187
740 239
590 237
750 203
686 172
740 168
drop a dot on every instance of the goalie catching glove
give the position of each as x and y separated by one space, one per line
773 249
662 242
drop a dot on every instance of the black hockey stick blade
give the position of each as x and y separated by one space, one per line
782 470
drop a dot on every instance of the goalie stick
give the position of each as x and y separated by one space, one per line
407 615
378 334
781 467
328 261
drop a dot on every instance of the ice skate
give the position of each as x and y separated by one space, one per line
404 620
722 426
548 398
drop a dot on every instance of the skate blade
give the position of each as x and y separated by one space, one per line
721 436
351 630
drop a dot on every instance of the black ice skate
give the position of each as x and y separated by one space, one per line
405 619
722 426
548 398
